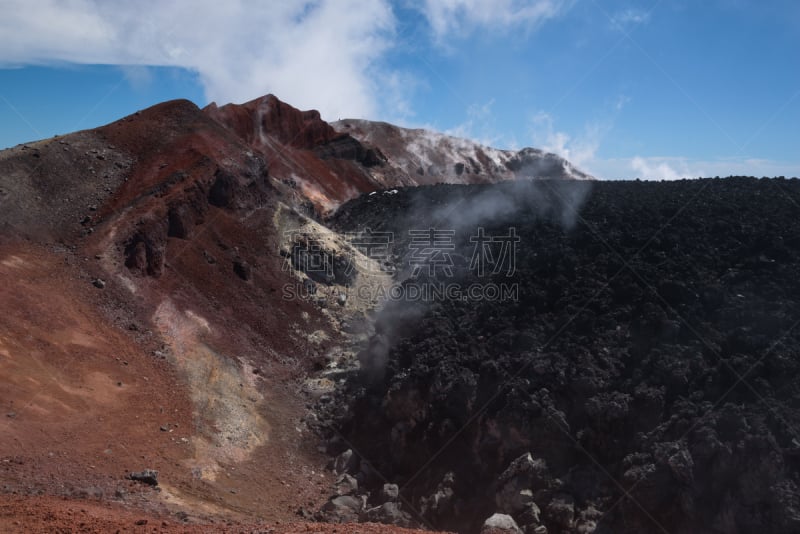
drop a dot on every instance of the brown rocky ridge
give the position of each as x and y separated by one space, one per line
146 321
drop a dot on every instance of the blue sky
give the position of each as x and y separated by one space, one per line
624 89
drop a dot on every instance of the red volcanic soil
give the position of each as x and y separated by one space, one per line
87 399
144 325
48 514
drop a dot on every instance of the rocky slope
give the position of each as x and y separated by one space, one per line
424 157
302 151
147 324
641 377
137 260
174 299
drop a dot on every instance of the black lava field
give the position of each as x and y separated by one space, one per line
643 378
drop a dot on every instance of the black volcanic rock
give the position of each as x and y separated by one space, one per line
647 363
148 476
347 147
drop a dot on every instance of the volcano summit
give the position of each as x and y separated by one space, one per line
207 326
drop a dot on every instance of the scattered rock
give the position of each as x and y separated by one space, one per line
305 513
342 509
500 524
518 481
388 513
99 283
148 476
561 511
367 476
389 492
530 516
346 485
440 504
347 462
242 269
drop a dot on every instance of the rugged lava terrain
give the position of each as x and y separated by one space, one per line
195 338
644 380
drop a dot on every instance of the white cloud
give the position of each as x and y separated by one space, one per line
621 102
745 166
448 16
323 54
583 150
397 90
672 168
139 77
479 125
629 17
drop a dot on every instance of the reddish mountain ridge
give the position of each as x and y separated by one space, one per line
143 275
302 151
144 325
332 163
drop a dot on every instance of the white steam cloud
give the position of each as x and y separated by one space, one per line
580 150
661 169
